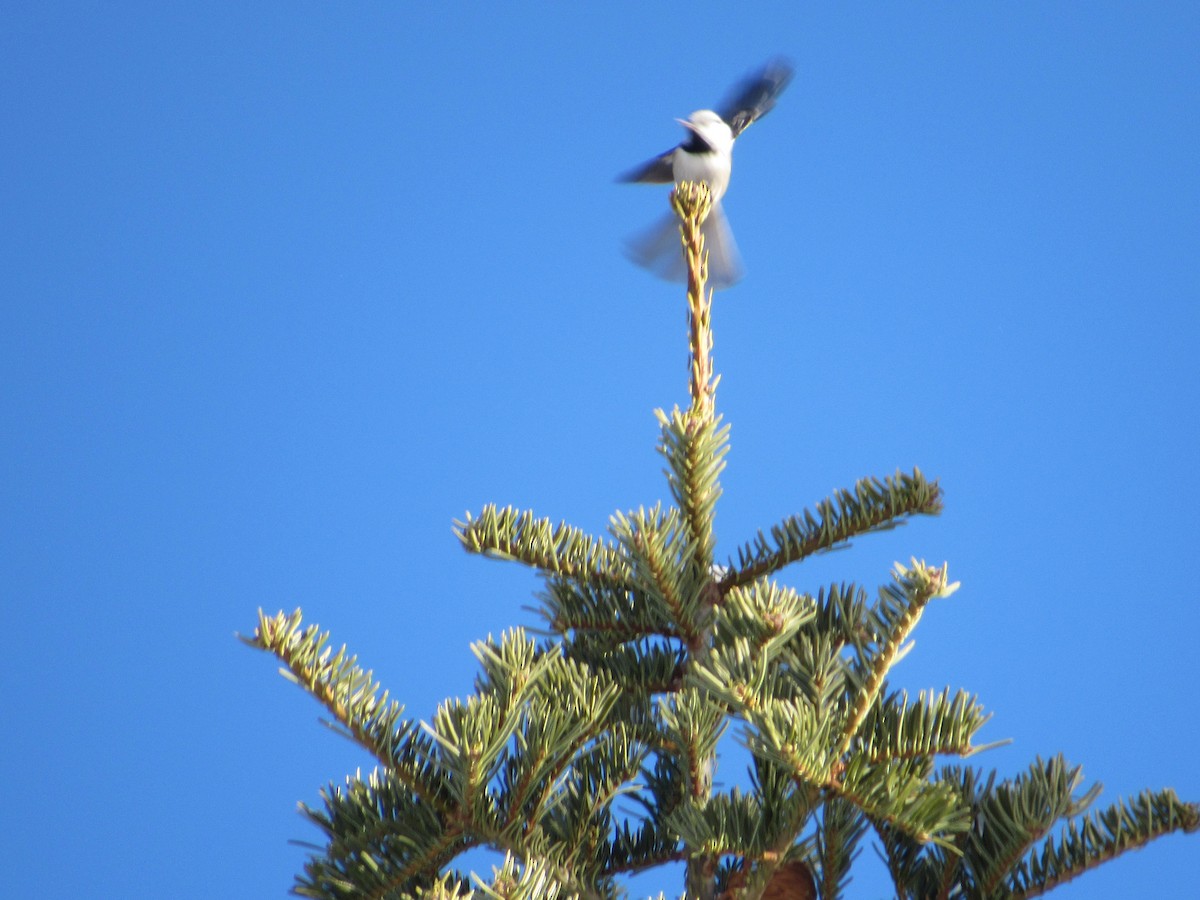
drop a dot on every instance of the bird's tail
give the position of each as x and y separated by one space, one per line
659 250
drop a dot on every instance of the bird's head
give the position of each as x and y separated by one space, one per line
709 129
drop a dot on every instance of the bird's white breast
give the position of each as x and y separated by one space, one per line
712 168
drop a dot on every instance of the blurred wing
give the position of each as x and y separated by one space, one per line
660 250
756 96
659 170
724 261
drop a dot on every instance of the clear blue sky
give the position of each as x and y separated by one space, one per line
289 286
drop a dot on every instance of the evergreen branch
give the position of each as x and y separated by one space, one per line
906 862
695 448
641 668
745 680
692 203
841 828
693 724
921 871
1014 815
561 550
513 666
663 577
841 614
792 735
949 869
579 821
722 824
896 728
651 844
616 613
382 839
733 675
472 735
814 671
787 804
1100 837
765 614
559 770
450 886
872 506
900 794
894 617
517 671
547 765
351 695
550 709
531 879
665 783
752 659
578 763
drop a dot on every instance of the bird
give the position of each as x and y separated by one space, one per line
706 155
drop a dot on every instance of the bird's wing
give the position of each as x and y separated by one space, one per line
658 249
659 170
754 97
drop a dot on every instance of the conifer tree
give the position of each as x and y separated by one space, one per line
589 755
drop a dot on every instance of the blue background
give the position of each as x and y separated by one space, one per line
289 286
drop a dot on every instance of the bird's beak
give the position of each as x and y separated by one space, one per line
686 123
